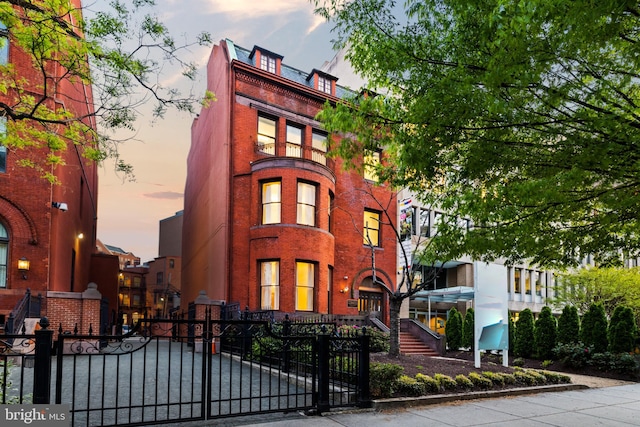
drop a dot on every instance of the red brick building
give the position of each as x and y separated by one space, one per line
52 226
270 221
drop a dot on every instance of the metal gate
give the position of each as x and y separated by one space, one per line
153 375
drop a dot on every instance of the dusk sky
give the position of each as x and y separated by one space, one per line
129 212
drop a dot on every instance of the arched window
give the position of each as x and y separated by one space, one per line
4 249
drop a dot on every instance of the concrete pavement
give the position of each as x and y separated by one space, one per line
606 406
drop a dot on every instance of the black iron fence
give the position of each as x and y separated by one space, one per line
183 369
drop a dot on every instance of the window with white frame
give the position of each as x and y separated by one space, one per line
270 285
537 280
329 210
438 218
4 44
305 282
407 222
424 223
3 149
371 228
4 255
319 147
324 85
268 63
294 141
271 202
306 214
371 161
266 135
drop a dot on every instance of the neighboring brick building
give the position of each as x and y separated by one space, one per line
270 221
124 286
52 226
163 286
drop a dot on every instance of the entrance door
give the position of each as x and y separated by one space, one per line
370 303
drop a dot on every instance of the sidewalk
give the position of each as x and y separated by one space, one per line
617 405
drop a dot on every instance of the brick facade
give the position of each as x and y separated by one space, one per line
60 259
224 239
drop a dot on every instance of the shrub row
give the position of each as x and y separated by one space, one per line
387 380
578 355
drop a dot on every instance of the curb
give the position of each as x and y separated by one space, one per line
409 402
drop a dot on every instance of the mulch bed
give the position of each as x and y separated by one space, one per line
462 362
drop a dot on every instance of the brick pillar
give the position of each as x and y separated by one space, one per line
91 299
202 303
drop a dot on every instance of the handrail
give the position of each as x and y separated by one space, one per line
379 324
426 335
28 306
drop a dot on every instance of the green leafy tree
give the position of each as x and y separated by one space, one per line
525 337
499 113
546 334
105 55
569 325
610 286
468 329
622 330
593 328
453 329
419 273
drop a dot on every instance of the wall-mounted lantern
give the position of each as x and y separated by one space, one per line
23 267
345 288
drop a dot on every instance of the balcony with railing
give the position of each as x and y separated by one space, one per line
295 151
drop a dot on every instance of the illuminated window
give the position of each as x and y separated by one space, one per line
268 63
517 277
527 282
270 285
266 135
4 248
371 228
304 286
306 204
294 141
271 202
319 147
371 161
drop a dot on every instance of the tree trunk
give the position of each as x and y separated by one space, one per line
394 326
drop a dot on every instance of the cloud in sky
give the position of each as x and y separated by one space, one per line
129 212
165 195
248 9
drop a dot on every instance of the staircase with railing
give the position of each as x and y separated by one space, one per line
28 307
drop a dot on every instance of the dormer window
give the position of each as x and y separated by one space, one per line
324 85
266 60
322 81
268 63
